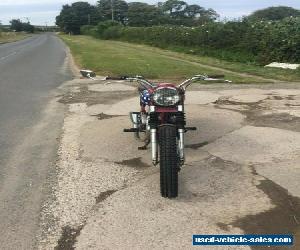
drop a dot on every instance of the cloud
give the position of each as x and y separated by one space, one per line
38 11
35 18
26 2
239 8
38 2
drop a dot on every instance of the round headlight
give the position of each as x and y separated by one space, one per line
166 96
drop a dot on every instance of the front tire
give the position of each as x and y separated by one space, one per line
168 161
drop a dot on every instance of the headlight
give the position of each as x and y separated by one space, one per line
166 96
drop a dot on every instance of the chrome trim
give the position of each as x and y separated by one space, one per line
147 123
161 92
181 145
153 146
152 109
142 81
135 118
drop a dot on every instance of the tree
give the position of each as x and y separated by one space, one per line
208 15
200 15
180 13
142 14
194 11
175 8
16 25
115 10
78 14
274 13
28 27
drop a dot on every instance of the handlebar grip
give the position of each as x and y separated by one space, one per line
216 76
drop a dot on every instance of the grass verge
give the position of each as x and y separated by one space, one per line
271 73
8 37
107 57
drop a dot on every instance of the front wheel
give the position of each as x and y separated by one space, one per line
168 161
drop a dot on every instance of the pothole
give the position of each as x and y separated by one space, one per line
136 163
283 219
197 145
290 97
277 97
279 120
103 116
223 226
104 195
255 117
68 238
93 98
225 101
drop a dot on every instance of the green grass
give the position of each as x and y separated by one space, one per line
270 73
7 37
119 58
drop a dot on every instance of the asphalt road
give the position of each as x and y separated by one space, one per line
241 175
30 72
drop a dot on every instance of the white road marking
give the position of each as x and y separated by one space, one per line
15 52
11 54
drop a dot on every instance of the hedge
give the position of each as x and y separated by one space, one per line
245 41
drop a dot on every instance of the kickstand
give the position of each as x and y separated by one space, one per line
145 146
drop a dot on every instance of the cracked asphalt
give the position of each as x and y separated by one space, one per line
241 175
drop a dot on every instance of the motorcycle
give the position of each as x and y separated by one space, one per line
162 121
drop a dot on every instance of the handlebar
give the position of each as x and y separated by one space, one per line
187 82
141 80
216 76
184 84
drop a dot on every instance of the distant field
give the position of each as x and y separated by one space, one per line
7 37
107 57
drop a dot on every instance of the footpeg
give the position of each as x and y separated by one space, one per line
142 148
190 128
131 130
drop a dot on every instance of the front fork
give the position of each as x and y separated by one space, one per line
152 124
181 146
154 148
153 137
181 132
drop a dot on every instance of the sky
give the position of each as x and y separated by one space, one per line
42 12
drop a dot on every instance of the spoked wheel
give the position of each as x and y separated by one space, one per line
168 161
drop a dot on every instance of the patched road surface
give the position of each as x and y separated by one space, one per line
241 176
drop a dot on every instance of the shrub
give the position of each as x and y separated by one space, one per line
102 26
261 42
114 32
88 30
